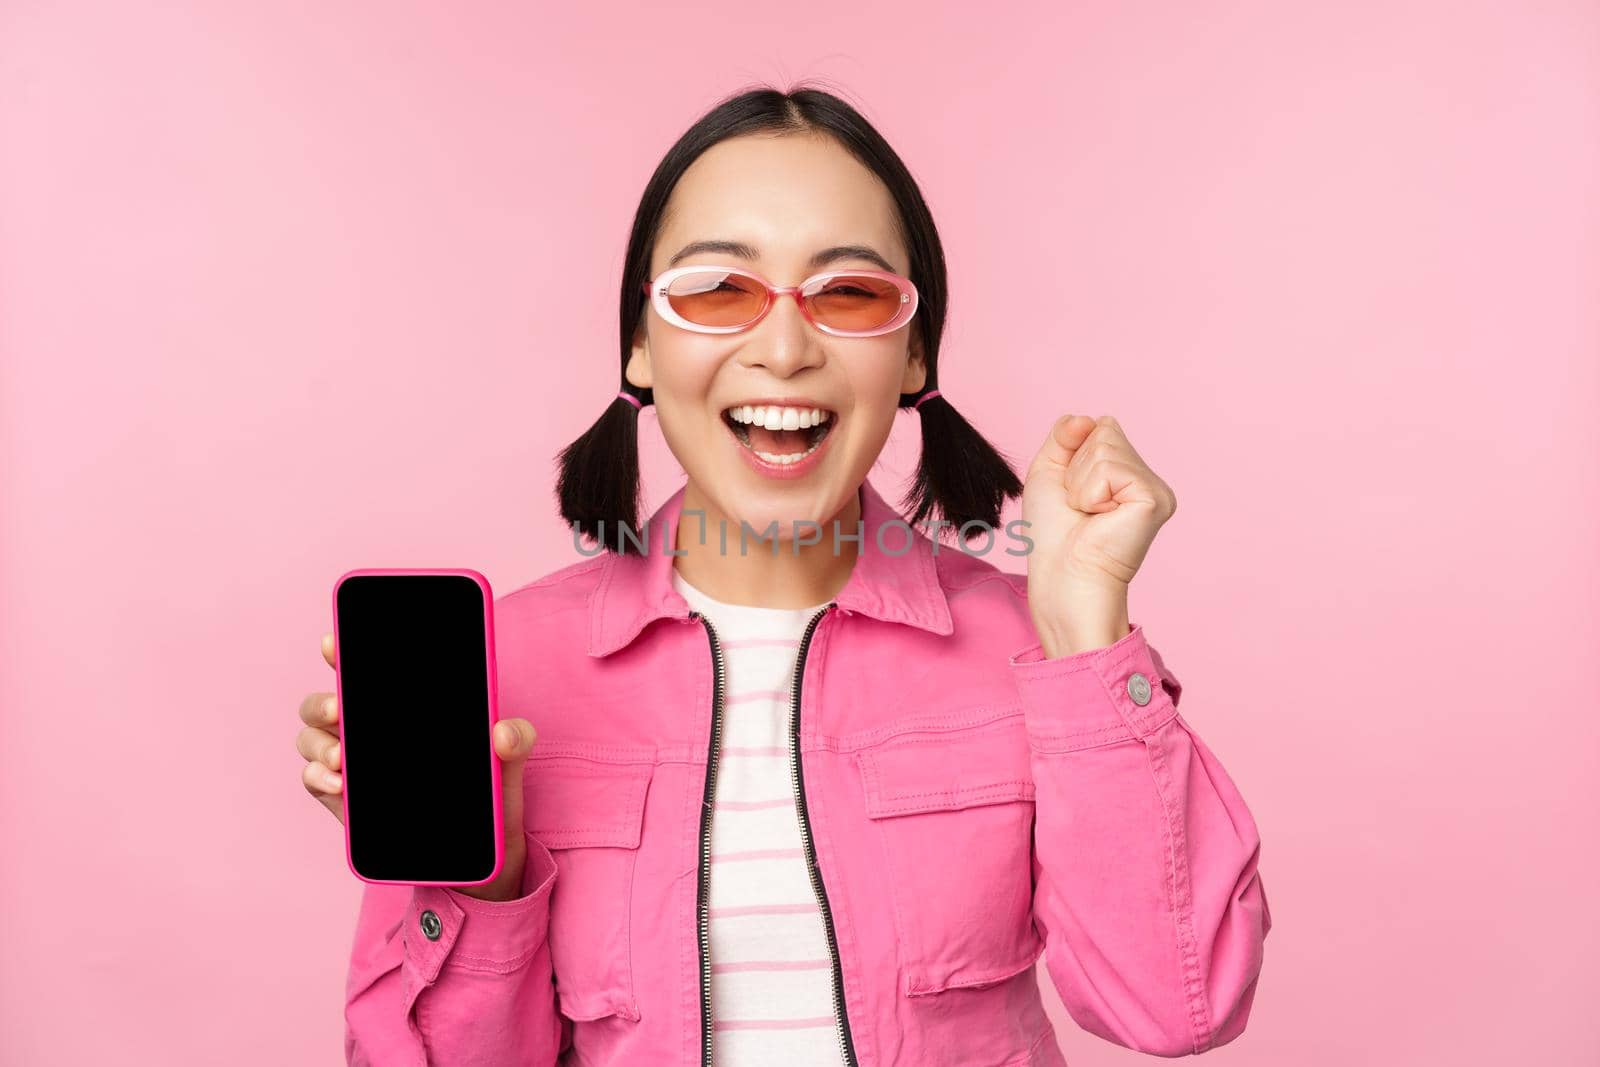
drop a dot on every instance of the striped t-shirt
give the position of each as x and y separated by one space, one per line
771 975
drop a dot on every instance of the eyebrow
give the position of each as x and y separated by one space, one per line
749 251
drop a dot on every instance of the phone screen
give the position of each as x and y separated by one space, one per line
416 707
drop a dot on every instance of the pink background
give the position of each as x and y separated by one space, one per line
290 289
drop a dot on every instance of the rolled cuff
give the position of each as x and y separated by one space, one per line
1092 697
484 935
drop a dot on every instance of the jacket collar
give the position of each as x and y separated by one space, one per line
635 590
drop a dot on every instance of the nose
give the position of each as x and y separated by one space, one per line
783 342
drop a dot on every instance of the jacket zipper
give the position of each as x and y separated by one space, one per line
846 1045
704 895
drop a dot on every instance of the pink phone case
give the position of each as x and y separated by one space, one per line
494 717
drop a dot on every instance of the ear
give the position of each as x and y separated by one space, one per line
916 374
638 372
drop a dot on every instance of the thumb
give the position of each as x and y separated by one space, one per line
513 741
1066 436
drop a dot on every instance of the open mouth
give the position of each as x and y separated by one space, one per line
780 435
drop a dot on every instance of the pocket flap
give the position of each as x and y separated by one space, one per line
948 770
574 802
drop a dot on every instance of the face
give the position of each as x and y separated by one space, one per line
788 197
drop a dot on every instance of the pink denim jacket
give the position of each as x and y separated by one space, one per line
965 803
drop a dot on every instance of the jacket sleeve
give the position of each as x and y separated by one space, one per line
482 994
1145 887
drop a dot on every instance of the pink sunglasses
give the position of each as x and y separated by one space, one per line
845 303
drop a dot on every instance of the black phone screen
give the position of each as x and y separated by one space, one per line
414 696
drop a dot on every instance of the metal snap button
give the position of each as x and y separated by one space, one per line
1139 689
431 926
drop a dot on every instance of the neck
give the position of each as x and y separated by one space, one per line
780 573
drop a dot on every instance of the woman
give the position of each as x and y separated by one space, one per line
788 781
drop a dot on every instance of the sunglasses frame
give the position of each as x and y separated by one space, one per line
657 292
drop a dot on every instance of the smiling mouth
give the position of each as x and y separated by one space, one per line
762 429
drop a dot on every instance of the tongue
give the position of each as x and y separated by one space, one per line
778 442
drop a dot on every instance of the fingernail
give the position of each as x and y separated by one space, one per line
333 754
335 779
327 709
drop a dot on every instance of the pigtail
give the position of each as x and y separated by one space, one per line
959 473
598 485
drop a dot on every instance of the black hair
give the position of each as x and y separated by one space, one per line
959 475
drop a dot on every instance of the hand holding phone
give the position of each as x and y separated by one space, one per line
427 742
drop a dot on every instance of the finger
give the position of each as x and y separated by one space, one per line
1104 485
1112 440
329 653
319 709
1109 443
1112 430
328 794
513 741
1105 442
514 738
1093 450
319 780
314 743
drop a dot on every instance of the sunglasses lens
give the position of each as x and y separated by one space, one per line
716 298
855 302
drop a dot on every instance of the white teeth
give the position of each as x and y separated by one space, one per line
784 461
778 418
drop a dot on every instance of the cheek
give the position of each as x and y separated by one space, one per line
683 370
875 378
875 388
686 427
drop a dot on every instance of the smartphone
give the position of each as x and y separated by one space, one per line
417 707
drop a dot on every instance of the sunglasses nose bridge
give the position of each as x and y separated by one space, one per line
773 293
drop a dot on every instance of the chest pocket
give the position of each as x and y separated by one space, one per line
589 814
954 810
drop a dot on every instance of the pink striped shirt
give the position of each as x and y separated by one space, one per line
771 975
